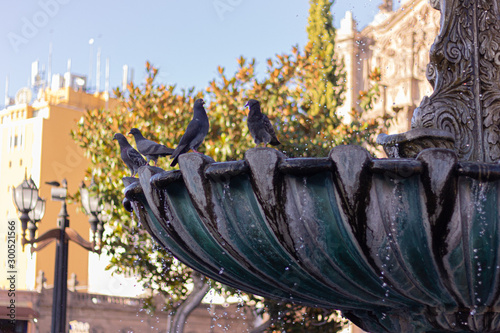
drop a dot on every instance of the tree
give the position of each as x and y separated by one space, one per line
300 93
129 245
325 83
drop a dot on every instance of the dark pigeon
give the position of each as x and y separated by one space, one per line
148 148
130 156
259 125
195 133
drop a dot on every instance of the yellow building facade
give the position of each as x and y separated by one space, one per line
35 139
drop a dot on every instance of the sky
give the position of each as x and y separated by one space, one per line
185 39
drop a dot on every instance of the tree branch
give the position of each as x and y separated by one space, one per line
262 327
194 299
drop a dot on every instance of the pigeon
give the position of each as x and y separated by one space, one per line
259 125
195 132
130 156
148 148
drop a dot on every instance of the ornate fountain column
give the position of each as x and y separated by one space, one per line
464 71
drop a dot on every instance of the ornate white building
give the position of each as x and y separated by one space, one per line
398 43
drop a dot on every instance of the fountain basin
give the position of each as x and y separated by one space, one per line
398 245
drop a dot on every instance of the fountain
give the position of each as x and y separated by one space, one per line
404 244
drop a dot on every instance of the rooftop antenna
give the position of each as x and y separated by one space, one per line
35 73
49 66
106 87
91 43
125 77
98 70
67 75
7 98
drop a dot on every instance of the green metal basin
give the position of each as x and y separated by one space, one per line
398 245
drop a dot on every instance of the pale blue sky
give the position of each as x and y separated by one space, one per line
186 39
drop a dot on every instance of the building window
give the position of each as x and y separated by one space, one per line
21 162
19 326
10 164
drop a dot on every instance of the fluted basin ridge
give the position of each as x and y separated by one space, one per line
399 245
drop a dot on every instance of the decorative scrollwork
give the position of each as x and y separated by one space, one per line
489 50
464 71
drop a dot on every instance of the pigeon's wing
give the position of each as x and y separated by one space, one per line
195 130
200 135
143 146
268 127
191 132
136 158
184 143
147 147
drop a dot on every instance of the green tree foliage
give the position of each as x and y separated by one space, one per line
300 92
131 248
325 82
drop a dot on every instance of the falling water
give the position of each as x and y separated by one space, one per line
226 189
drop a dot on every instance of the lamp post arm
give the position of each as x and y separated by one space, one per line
75 237
53 234
42 244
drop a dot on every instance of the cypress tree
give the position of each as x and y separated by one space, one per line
325 83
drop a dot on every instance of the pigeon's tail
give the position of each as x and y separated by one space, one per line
176 153
275 142
174 162
167 151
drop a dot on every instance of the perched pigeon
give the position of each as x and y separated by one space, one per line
195 132
148 148
259 125
129 155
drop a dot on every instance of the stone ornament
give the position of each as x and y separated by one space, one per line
464 72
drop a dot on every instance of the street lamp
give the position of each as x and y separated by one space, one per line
92 206
35 216
25 198
32 209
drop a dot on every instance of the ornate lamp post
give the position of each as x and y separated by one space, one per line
25 198
32 209
35 216
92 205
